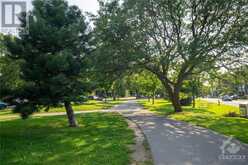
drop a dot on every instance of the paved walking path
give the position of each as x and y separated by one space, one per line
178 143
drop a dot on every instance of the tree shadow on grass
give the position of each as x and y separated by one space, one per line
230 126
201 110
167 109
100 139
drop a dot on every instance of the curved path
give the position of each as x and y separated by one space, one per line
178 143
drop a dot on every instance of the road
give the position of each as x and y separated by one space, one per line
233 103
178 143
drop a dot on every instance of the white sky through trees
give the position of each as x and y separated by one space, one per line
86 5
91 6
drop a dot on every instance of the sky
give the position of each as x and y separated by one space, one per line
86 5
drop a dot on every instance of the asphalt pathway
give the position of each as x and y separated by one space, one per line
178 143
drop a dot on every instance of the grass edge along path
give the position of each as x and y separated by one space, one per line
207 115
90 105
101 138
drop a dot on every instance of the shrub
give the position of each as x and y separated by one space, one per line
186 102
232 114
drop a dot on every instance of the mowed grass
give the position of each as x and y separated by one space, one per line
100 139
90 105
208 115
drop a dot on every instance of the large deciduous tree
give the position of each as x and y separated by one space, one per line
175 39
53 47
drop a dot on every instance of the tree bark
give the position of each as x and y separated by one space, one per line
153 98
175 99
70 114
113 95
105 95
174 92
193 100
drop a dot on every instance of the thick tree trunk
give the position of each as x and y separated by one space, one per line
70 114
174 92
175 99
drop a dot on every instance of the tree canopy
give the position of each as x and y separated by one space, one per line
174 39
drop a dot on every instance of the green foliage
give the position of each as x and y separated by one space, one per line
144 83
53 49
112 57
172 39
191 87
119 87
229 81
101 139
25 109
9 72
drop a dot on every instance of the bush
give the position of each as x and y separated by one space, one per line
244 97
25 109
232 114
186 102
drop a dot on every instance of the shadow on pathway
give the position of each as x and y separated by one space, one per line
178 143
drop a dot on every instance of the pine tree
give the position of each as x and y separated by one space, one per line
53 47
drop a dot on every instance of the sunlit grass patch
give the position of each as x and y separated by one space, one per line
90 105
100 139
161 106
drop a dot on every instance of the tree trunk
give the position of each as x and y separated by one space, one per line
153 98
193 100
105 95
136 94
113 95
175 99
174 93
70 114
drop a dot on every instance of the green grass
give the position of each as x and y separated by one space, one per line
208 115
162 107
90 105
100 139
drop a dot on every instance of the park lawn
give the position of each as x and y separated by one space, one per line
90 105
101 138
208 115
